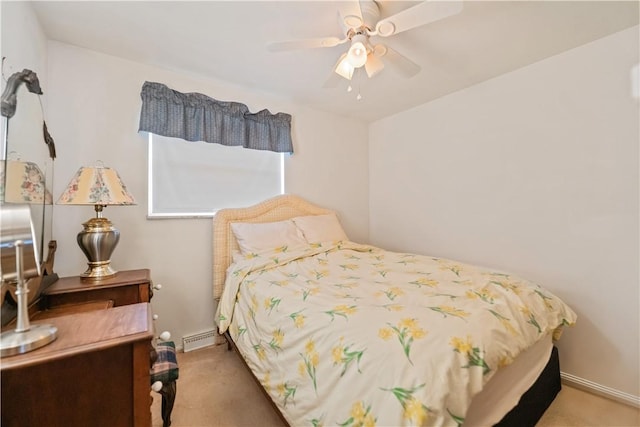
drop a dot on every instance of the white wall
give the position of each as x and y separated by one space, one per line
533 172
24 46
94 106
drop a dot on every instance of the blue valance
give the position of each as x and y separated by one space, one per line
197 117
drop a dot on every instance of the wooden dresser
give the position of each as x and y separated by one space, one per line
96 373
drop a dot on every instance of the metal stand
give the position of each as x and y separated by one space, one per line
25 337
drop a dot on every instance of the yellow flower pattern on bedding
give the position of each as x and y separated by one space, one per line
310 360
341 310
359 323
473 355
407 330
413 410
448 310
345 355
298 319
277 337
423 281
361 416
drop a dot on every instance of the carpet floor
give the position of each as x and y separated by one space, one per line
215 390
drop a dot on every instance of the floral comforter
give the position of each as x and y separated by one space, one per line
352 335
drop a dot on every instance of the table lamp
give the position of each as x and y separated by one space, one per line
99 186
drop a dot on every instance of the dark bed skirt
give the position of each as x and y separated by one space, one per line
527 413
538 398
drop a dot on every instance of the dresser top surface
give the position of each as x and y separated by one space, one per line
76 284
89 331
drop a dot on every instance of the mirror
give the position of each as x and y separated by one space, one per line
26 174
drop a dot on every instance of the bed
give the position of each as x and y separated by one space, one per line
340 333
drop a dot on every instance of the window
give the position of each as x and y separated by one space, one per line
195 179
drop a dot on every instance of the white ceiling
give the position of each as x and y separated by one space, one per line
227 40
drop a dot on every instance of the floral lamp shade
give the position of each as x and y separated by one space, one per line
23 182
97 185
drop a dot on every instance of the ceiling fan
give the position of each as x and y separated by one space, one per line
361 23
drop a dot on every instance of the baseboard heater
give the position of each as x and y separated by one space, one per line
200 340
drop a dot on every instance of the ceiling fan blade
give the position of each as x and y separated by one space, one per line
344 27
305 44
424 13
350 15
404 65
373 65
370 13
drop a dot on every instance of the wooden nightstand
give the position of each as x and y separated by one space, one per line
96 373
126 287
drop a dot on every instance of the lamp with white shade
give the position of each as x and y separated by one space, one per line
99 186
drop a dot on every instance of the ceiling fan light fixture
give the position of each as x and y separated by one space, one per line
380 50
374 65
357 55
344 68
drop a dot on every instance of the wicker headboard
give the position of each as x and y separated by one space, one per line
224 242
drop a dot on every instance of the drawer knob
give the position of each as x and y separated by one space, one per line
155 317
157 287
157 386
165 336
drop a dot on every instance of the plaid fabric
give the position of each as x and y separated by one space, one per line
165 369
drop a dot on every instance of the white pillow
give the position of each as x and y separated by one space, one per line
256 237
320 228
